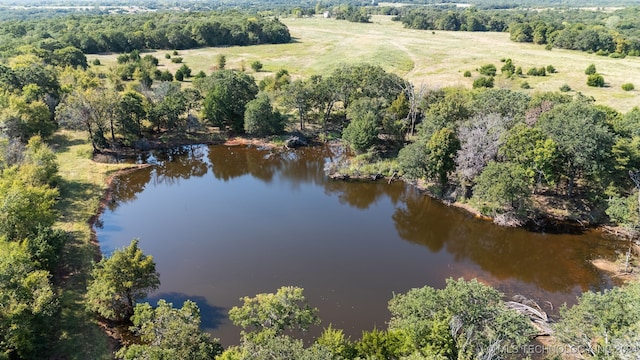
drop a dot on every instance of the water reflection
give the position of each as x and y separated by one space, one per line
225 222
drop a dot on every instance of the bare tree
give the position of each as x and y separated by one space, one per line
480 140
414 95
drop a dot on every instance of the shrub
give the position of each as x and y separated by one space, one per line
176 60
467 73
616 55
590 70
532 72
256 66
179 75
175 52
96 62
519 71
565 88
628 87
488 70
595 80
551 69
361 133
525 85
483 82
167 56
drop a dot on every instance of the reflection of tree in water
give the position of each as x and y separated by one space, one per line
363 194
181 163
125 188
229 162
417 221
555 263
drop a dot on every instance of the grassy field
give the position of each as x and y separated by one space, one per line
435 59
82 184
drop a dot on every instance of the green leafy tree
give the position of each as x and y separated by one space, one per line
260 119
602 325
583 139
466 319
502 186
28 304
24 207
298 96
169 333
121 280
287 309
336 343
387 344
362 132
226 96
222 62
442 148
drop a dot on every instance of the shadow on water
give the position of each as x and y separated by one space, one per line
211 316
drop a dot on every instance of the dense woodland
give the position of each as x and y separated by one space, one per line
500 150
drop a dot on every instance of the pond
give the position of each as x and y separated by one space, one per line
224 222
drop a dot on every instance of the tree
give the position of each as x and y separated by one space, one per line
24 207
260 119
70 56
298 96
256 66
500 187
442 148
479 143
466 319
583 139
24 119
287 309
226 94
362 131
603 324
28 304
121 280
222 62
169 333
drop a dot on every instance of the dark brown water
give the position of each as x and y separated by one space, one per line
225 222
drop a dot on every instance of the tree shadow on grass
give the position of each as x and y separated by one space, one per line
211 316
61 142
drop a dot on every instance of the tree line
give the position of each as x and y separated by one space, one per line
606 33
125 33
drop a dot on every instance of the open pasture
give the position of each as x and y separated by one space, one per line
435 59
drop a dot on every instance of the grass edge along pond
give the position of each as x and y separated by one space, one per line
83 185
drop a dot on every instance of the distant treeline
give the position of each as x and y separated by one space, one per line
125 33
616 33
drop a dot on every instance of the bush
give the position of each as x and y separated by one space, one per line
590 70
532 72
260 119
179 75
483 82
166 76
488 70
551 69
628 87
167 56
256 66
175 52
361 133
176 60
96 62
565 88
595 80
467 73
525 85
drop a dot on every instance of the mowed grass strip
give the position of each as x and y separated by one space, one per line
433 58
82 185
